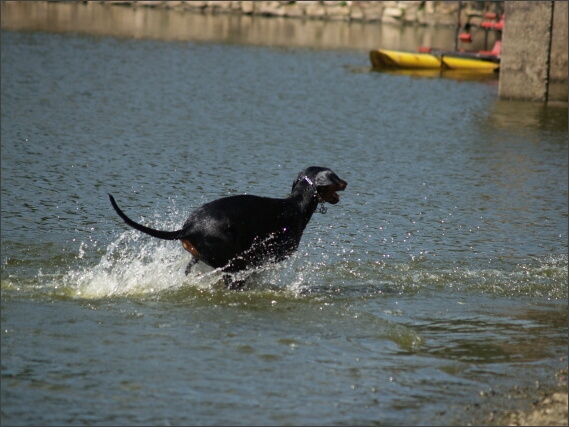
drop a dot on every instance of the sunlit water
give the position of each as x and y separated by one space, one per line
438 280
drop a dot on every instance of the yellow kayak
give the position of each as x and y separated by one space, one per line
456 63
383 58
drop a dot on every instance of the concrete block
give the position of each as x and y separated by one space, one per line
559 45
315 11
373 12
338 13
525 50
356 13
247 7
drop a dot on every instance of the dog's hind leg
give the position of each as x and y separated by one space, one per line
193 251
193 261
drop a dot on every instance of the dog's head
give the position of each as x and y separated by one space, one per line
325 182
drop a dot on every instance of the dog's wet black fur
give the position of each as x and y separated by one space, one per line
236 233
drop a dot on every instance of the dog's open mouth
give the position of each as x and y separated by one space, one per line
329 195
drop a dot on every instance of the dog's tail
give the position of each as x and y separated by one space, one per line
166 235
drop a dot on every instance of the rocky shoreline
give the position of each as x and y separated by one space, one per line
551 411
428 13
548 407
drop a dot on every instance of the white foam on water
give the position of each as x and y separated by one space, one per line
139 265
131 265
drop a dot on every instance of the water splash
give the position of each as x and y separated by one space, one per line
128 269
134 265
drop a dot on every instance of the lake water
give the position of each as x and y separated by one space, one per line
435 292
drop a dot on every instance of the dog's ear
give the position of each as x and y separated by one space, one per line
322 178
317 174
325 177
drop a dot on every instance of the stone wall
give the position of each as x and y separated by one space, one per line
534 51
392 12
559 49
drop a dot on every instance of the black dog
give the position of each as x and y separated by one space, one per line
239 232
